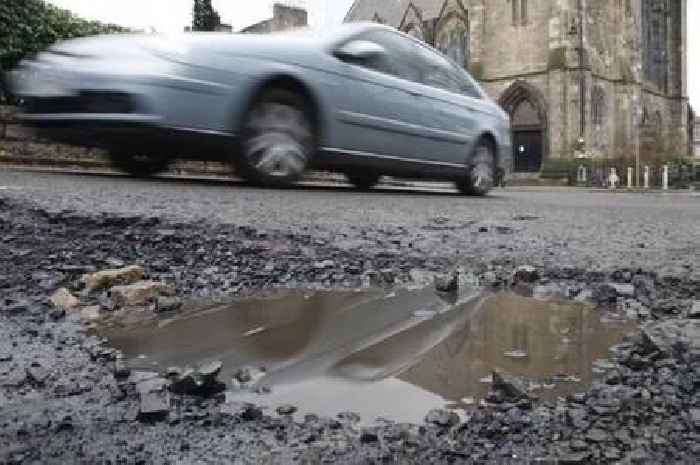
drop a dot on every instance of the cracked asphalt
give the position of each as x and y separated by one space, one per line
66 396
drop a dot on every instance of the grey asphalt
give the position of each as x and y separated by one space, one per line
550 227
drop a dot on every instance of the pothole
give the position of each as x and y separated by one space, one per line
380 355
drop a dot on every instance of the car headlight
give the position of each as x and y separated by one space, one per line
28 82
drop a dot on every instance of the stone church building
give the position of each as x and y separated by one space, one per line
600 78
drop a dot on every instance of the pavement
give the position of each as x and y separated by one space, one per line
542 226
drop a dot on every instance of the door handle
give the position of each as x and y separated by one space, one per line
414 93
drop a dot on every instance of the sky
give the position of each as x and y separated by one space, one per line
174 15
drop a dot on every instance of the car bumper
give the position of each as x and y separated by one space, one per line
141 131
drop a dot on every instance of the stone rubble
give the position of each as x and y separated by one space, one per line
108 278
68 397
139 293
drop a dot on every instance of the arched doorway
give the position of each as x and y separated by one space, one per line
528 119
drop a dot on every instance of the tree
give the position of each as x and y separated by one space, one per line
204 16
29 26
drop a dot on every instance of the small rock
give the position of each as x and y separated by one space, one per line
5 357
694 312
324 264
578 458
597 435
108 278
62 298
638 456
201 382
526 274
264 389
243 375
16 308
115 262
154 400
443 418
173 372
368 437
184 383
14 378
578 446
168 304
248 375
286 410
138 377
447 282
511 386
65 424
90 313
209 371
695 417
37 374
57 313
140 293
644 288
251 413
604 293
612 453
625 290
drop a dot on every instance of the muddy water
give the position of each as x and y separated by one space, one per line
393 356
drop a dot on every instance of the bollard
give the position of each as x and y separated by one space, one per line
665 178
630 173
582 176
614 179
646 177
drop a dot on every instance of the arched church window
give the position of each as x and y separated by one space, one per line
519 12
452 39
598 106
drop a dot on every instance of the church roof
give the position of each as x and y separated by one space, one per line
392 11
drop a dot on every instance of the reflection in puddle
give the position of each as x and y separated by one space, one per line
393 356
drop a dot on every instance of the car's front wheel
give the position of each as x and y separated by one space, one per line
278 140
481 172
139 164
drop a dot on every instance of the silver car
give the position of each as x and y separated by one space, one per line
361 99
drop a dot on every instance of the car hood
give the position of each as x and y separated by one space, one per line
185 47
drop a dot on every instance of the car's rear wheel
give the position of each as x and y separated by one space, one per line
278 139
139 164
481 173
363 181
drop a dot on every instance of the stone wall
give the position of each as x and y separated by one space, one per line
284 17
696 133
512 42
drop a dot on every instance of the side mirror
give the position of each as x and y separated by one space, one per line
360 50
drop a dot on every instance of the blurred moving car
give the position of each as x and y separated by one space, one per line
361 99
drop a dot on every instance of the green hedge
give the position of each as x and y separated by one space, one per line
29 26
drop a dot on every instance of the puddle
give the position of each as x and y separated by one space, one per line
392 356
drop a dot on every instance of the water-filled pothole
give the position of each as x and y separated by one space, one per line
393 356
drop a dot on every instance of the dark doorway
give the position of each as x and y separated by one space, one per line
526 108
527 150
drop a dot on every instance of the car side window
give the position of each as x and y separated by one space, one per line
468 86
399 58
438 71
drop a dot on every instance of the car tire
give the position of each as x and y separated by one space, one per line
363 181
278 139
139 165
481 173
